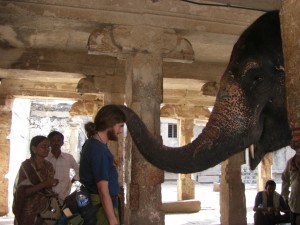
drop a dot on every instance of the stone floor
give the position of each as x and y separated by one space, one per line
210 210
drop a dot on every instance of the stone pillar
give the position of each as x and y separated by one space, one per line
290 32
264 171
143 48
185 183
144 81
5 125
232 192
73 139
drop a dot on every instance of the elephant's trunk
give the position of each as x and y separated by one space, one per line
203 153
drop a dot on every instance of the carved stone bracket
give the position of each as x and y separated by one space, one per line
118 41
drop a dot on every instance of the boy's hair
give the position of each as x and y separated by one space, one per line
53 133
270 183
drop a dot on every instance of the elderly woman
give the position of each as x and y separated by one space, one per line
33 184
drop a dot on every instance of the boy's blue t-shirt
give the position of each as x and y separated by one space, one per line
96 164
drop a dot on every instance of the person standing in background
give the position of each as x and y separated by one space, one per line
291 186
33 184
62 163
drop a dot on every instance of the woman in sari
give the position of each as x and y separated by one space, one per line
33 184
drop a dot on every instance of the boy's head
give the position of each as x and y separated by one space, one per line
56 140
270 186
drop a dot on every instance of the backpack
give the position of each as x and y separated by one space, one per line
78 208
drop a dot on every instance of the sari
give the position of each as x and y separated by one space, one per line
27 208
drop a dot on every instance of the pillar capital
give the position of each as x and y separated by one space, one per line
85 107
96 85
119 41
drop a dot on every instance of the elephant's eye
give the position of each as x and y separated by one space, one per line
256 80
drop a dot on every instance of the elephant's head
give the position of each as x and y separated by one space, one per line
250 108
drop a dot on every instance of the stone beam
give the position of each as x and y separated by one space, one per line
192 112
266 5
61 61
163 14
187 97
196 70
38 89
80 62
34 75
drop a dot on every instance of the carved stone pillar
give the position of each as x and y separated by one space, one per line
145 84
143 48
232 192
264 171
74 131
5 125
185 184
290 32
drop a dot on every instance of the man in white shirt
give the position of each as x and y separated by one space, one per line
62 163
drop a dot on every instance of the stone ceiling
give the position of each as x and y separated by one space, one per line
43 44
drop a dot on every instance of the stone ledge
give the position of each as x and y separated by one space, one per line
183 206
216 187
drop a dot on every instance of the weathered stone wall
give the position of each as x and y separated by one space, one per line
5 115
48 116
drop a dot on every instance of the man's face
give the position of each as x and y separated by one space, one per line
114 131
270 189
56 142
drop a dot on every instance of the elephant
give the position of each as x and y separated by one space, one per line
250 108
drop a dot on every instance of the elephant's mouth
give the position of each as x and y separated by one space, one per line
272 134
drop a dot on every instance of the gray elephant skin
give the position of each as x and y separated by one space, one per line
250 108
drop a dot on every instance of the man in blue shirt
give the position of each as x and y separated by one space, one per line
97 168
268 205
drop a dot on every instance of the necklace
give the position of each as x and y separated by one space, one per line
100 139
37 164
